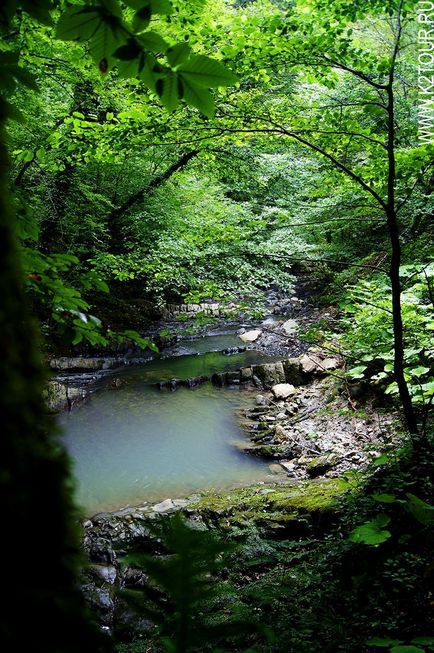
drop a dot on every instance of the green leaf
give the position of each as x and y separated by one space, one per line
27 156
419 371
381 460
406 649
383 642
39 9
142 19
384 498
177 54
167 90
423 512
357 372
163 7
153 42
198 97
372 533
104 42
428 640
428 387
78 23
144 343
127 52
392 389
205 72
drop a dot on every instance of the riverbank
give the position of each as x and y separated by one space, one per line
323 438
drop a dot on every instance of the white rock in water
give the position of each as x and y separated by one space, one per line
275 468
283 390
164 506
288 466
290 327
250 336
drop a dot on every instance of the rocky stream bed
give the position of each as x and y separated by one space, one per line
301 417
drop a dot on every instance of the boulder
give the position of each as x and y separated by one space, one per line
59 396
322 464
219 379
293 372
310 363
289 467
290 327
251 336
246 374
315 363
275 468
85 364
165 506
283 390
107 573
331 363
270 373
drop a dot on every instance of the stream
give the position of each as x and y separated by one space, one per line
134 443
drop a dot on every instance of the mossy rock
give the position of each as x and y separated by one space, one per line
322 464
276 505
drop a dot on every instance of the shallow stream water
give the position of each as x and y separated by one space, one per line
134 443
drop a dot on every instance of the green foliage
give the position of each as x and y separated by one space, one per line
185 597
204 246
135 52
373 532
368 331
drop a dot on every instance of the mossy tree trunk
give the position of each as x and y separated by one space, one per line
42 608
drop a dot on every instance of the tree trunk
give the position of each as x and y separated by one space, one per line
43 608
394 273
116 214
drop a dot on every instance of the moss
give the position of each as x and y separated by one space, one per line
272 503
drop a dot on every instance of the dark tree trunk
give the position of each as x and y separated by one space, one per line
117 213
42 608
394 275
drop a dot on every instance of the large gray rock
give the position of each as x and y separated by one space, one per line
246 374
322 464
107 573
270 373
283 390
165 506
313 363
85 364
290 327
59 396
250 336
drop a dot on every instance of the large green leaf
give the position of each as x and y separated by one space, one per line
205 72
153 42
423 512
167 89
407 649
372 533
39 9
383 642
384 498
78 23
197 96
105 41
178 54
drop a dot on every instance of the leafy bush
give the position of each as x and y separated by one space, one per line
368 331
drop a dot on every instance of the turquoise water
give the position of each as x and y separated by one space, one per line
134 443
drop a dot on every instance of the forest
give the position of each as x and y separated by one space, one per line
217 294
